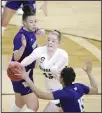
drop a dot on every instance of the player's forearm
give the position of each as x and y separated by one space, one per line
37 91
29 59
19 53
33 87
38 28
45 3
93 82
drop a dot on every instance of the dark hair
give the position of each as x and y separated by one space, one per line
58 33
28 11
68 75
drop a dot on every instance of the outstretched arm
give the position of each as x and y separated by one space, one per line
44 8
40 94
94 88
19 52
32 57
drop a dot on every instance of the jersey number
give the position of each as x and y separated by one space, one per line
48 75
80 101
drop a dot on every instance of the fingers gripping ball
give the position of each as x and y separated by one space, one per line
11 71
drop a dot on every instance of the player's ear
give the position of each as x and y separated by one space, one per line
61 80
24 22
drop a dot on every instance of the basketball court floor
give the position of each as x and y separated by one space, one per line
79 21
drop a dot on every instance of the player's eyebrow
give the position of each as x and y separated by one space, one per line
31 20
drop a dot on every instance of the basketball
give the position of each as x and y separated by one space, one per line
11 71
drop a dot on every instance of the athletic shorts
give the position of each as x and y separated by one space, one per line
21 86
15 5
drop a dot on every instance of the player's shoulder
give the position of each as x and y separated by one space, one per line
19 34
41 48
62 52
79 85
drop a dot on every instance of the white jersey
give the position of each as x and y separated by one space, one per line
45 65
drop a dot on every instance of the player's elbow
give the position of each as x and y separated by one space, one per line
46 96
39 96
93 90
16 57
96 90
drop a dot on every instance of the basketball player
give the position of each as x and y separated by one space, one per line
51 61
71 94
24 43
12 6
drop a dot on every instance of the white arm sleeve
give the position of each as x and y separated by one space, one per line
32 57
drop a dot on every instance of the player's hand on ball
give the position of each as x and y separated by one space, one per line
88 68
12 70
22 73
23 40
40 32
14 65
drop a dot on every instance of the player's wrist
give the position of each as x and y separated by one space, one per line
23 46
40 32
26 78
22 64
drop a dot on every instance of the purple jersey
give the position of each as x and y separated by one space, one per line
15 5
71 97
31 44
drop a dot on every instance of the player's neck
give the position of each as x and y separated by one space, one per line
25 28
51 51
63 84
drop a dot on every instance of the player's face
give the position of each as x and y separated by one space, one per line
53 42
31 23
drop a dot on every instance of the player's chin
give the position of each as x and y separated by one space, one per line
50 49
33 29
